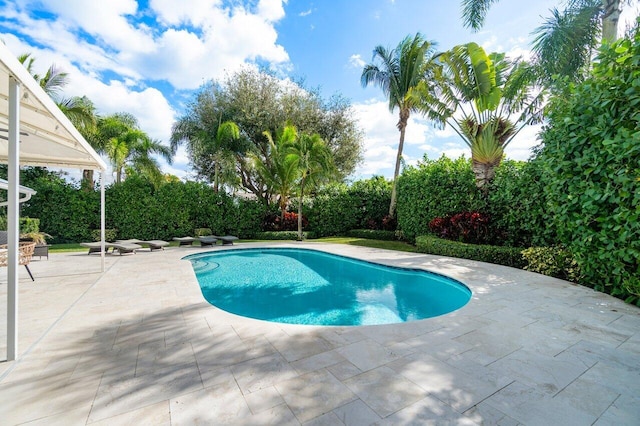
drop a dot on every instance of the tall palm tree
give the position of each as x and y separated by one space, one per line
314 162
212 144
130 149
280 171
486 99
566 41
606 11
227 134
397 72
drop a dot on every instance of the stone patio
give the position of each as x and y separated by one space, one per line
139 345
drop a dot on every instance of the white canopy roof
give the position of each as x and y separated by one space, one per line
41 135
47 137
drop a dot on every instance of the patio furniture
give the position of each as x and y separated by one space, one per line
184 241
152 244
226 240
122 247
25 252
208 240
42 250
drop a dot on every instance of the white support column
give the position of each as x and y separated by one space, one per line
102 218
13 215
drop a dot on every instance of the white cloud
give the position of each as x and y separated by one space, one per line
107 21
271 10
305 13
382 137
187 58
196 41
356 61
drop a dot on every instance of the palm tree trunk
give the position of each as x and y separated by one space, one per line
87 180
300 211
216 176
484 173
610 19
402 125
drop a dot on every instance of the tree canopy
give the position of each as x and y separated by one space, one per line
259 102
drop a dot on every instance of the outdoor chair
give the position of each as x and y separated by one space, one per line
25 252
226 240
208 240
152 244
122 247
184 241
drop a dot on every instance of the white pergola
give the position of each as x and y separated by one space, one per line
33 132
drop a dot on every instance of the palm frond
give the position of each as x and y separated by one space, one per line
565 42
474 12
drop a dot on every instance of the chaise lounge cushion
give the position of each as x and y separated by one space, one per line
184 241
208 240
122 247
152 244
227 239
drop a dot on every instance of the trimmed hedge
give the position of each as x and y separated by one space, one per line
507 256
340 208
553 261
137 209
372 234
592 163
435 189
283 235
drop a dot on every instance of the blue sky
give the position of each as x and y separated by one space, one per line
147 57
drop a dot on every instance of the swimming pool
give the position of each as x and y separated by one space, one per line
302 286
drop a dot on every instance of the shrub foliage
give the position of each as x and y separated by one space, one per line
592 163
435 189
508 256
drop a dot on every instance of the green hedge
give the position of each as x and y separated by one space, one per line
433 189
508 256
339 208
517 205
553 261
372 234
283 235
592 167
137 209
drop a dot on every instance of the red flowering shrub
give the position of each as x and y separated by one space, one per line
273 222
389 223
467 227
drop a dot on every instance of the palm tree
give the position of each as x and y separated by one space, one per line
223 144
280 170
128 148
607 13
486 100
212 144
397 72
565 42
314 162
52 82
78 109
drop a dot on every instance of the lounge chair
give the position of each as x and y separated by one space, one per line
226 240
25 252
208 240
122 247
152 244
184 241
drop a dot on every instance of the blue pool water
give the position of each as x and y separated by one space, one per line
300 286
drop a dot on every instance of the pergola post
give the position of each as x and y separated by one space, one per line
13 215
102 219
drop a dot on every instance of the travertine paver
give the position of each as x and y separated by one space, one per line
139 345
